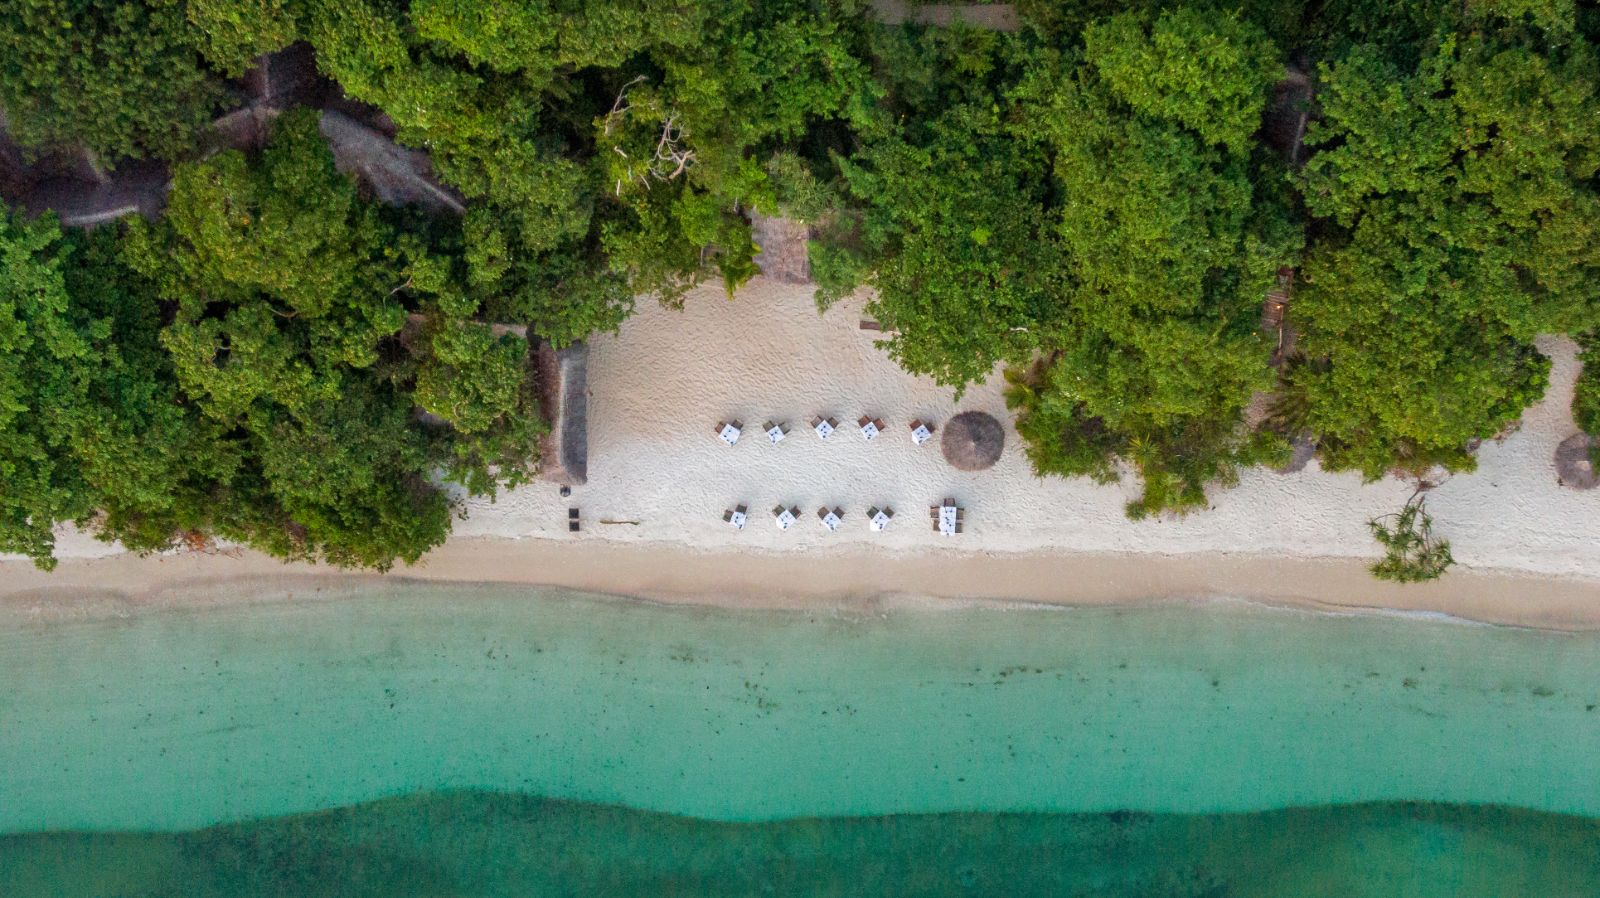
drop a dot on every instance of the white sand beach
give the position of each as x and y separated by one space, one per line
659 481
658 387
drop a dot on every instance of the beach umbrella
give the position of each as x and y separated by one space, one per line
972 441
1573 464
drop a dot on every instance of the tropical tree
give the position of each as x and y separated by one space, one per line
39 353
93 429
948 216
1411 552
232 33
961 274
122 78
1201 70
1460 206
1586 394
1107 228
614 145
308 328
1155 353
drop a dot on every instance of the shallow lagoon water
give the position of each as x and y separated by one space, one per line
378 733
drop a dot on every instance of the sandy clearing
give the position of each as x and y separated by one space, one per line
658 471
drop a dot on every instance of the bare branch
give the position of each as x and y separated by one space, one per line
619 108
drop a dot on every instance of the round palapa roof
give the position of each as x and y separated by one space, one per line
1573 464
973 441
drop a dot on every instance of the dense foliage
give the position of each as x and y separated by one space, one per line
92 424
41 355
120 77
1586 395
992 234
1156 353
253 367
952 216
1090 204
610 149
612 146
1461 218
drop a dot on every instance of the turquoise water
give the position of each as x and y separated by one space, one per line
453 845
639 741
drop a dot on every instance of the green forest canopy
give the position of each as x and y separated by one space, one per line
1088 202
249 367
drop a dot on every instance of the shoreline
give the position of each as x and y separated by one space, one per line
843 579
1523 541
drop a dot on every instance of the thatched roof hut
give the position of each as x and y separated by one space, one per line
783 256
1573 462
564 401
973 441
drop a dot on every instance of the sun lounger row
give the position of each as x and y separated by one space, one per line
824 427
947 518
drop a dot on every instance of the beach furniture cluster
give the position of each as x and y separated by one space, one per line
948 518
824 427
